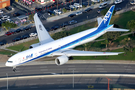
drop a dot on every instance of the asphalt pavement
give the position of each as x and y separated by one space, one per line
80 82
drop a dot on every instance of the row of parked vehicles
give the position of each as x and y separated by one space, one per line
64 24
18 30
20 38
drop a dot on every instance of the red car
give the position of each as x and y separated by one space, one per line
9 33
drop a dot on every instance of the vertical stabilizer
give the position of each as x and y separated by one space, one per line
106 20
43 35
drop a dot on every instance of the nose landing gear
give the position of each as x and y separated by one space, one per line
14 69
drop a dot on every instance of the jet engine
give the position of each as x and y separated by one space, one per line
61 60
34 45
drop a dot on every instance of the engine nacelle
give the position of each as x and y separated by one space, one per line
34 45
61 60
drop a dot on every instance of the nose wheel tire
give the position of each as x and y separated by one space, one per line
14 69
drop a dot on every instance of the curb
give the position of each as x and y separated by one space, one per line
69 75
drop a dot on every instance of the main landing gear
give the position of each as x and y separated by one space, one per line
14 69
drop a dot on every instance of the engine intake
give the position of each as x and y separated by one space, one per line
61 60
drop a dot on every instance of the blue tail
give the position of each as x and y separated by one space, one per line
106 20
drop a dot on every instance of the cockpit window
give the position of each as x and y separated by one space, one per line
10 61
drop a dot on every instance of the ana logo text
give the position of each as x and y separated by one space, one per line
107 16
40 27
29 56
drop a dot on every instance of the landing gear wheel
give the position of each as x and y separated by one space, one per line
14 69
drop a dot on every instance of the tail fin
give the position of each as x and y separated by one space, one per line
43 35
106 20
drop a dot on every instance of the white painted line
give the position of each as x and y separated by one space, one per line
71 68
43 67
128 69
100 68
44 70
102 71
99 65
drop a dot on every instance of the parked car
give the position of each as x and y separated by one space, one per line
118 9
118 1
25 36
103 5
2 43
72 22
33 34
132 2
64 24
17 30
50 12
16 14
8 8
17 39
71 15
5 17
57 11
27 28
38 9
9 33
87 10
55 27
68 8
1 11
77 5
78 13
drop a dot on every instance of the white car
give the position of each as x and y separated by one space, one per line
72 6
5 17
78 13
1 11
118 1
77 5
57 11
33 34
72 22
132 2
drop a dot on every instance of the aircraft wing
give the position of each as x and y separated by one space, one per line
71 52
117 29
43 35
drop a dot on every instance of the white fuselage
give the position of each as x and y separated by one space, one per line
48 48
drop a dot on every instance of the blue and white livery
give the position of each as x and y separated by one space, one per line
63 48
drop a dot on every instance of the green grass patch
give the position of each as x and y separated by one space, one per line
23 46
6 52
123 18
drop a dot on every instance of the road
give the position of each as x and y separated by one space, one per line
66 82
48 25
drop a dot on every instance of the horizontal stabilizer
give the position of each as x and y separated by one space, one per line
99 20
85 53
117 29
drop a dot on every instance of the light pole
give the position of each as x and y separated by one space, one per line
73 78
108 83
7 80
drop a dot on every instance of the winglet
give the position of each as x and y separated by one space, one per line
106 20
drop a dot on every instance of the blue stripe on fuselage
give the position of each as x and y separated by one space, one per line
71 43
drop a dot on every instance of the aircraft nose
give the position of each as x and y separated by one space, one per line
8 64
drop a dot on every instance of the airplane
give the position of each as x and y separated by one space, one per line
63 48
